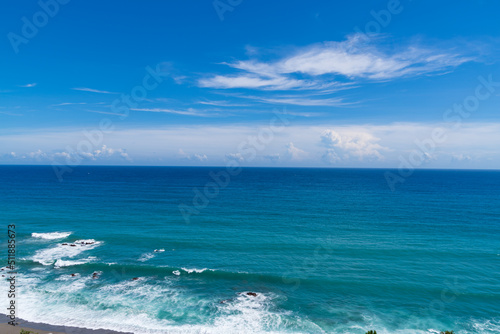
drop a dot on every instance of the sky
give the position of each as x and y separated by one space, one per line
382 84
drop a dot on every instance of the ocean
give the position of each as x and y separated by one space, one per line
269 250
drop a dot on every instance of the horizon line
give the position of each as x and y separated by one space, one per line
256 167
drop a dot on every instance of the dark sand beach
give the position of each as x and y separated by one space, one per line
40 328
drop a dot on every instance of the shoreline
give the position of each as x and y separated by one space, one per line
43 328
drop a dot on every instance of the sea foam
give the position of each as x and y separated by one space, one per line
67 263
50 255
145 257
194 270
51 235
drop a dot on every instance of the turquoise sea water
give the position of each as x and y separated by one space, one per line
325 250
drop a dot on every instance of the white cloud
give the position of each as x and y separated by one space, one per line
189 111
254 82
324 64
354 59
106 152
330 157
355 144
223 104
295 153
29 85
91 90
9 113
39 155
103 153
68 104
193 157
461 157
103 112
235 157
348 145
9 156
304 101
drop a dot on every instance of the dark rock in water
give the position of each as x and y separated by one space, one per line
72 245
89 243
135 278
65 244
253 294
73 275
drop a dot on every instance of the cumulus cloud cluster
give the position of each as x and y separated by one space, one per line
192 157
360 145
295 153
103 153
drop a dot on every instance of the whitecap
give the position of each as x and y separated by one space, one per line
66 263
48 256
115 307
51 235
194 270
85 242
146 256
247 313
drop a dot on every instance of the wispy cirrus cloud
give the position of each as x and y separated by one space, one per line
223 104
9 113
68 104
104 112
188 111
91 90
323 65
301 100
253 81
28 85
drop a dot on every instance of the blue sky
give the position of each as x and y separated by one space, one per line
365 84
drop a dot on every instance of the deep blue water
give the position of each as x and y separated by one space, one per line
325 250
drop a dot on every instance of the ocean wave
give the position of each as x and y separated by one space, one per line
51 235
135 305
67 263
194 270
86 242
50 255
252 312
489 326
146 256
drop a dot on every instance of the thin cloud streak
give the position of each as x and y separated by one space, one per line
187 112
68 104
329 63
91 90
28 85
